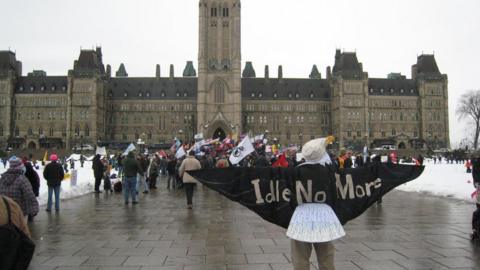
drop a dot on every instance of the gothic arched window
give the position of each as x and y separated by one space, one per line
219 87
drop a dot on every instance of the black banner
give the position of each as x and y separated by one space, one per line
273 193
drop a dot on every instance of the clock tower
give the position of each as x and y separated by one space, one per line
219 99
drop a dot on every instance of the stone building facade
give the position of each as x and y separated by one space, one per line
89 105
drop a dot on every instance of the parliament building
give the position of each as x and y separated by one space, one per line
91 105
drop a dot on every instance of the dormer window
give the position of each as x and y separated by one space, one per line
260 95
140 94
125 94
20 88
381 90
53 88
178 94
148 94
252 95
162 94
402 91
64 88
185 94
42 88
290 95
32 88
411 90
275 95
110 94
371 90
391 90
297 95
312 95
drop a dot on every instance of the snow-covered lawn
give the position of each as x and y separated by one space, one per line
447 180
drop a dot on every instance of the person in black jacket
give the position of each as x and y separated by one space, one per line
98 170
54 174
476 223
476 171
34 180
171 169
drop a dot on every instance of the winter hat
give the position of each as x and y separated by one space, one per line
15 163
53 157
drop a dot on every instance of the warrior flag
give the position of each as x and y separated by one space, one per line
241 151
273 193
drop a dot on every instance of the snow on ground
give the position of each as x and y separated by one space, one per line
446 180
85 182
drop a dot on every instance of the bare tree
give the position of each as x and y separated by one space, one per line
469 106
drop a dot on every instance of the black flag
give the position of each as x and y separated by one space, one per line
273 193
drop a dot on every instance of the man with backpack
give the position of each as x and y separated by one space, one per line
16 246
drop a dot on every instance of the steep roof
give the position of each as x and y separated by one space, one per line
426 64
392 87
8 61
42 85
347 62
153 88
88 63
285 89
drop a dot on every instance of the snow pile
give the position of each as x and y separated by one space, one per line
446 180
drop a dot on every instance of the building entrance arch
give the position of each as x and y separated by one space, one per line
220 134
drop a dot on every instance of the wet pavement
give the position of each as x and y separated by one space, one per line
408 231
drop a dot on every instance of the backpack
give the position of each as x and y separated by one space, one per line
16 248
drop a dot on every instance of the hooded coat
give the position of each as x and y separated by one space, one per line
32 177
15 185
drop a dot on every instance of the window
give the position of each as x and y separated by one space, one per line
53 88
87 131
40 131
177 94
30 131
50 133
77 131
162 94
290 95
124 137
219 91
147 94
17 132
297 95
275 95
185 94
359 134
252 95
381 90
391 90
371 90
20 88
312 95
140 94
64 88
402 91
110 93
125 94
394 132
260 95
225 12
384 134
213 12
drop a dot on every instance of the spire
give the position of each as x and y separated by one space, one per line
267 73
172 71
109 71
280 72
157 71
248 71
121 72
189 70
315 74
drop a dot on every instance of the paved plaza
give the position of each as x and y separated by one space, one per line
408 231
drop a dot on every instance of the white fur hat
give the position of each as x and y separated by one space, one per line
314 149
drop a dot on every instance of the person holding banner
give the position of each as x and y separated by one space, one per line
189 164
314 225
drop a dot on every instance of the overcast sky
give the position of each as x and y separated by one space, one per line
386 34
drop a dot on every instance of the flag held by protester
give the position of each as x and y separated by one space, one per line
244 148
